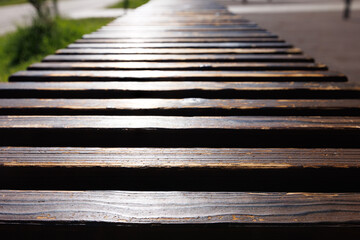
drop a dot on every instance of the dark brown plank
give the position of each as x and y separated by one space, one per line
189 66
179 169
138 122
179 58
180 45
179 207
227 90
140 131
101 51
305 76
219 158
179 107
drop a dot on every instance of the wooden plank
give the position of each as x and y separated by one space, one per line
200 28
180 45
138 122
177 76
179 169
175 66
179 58
178 207
182 40
227 90
182 158
179 107
181 35
154 31
151 17
159 131
102 51
181 24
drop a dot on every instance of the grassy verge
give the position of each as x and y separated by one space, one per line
11 2
129 4
30 44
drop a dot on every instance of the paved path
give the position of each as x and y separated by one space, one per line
290 7
316 27
11 16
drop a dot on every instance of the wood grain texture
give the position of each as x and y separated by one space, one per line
189 66
157 122
226 90
178 107
217 158
179 207
161 131
130 75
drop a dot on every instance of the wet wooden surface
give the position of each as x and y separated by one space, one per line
198 116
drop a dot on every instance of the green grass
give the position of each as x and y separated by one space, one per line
30 44
131 4
11 2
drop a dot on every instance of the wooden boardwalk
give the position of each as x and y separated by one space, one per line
180 120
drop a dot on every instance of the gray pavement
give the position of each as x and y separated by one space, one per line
314 26
15 15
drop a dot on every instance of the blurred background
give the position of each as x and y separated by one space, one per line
318 27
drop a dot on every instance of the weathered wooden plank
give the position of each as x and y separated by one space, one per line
177 76
180 169
139 122
175 66
148 31
151 17
178 58
248 27
202 158
227 90
182 40
102 51
180 45
181 24
178 207
179 107
181 35
159 131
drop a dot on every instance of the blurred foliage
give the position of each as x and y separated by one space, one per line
11 2
30 44
129 4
